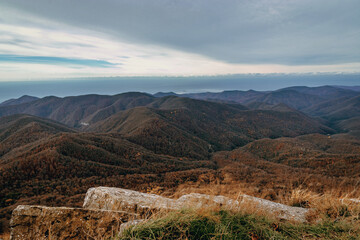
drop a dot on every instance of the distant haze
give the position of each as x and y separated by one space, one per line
115 85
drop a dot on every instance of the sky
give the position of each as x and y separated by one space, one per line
67 39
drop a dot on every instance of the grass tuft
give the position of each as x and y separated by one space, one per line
219 224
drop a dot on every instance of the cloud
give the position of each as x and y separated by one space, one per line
55 61
283 32
51 39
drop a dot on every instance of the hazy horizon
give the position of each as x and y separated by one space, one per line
115 85
66 48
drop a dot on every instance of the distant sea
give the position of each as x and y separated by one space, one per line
115 85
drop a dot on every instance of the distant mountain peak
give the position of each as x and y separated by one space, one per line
20 100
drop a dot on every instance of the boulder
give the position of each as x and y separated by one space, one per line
197 200
281 211
39 222
107 198
278 210
127 200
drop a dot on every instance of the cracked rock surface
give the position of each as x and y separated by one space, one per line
39 222
133 201
108 211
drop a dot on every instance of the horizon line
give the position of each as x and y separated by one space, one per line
180 76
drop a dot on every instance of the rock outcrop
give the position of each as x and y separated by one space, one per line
277 210
197 200
39 222
127 200
119 199
108 211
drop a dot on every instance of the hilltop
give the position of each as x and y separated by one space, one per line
20 100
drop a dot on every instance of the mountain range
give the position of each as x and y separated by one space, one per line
52 149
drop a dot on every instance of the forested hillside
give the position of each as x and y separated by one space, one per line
265 143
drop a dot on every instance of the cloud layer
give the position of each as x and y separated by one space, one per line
177 37
263 32
54 60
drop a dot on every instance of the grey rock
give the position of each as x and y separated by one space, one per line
132 201
39 222
281 211
119 199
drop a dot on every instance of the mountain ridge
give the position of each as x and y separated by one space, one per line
139 141
16 101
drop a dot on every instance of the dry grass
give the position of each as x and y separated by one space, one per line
5 236
335 215
334 204
333 211
327 205
219 224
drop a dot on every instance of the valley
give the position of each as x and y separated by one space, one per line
266 144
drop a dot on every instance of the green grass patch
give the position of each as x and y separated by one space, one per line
190 224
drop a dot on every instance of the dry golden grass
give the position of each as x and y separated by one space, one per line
213 223
5 236
335 216
334 204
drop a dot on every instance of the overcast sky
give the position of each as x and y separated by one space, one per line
85 38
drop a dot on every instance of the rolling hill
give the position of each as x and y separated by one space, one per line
291 98
351 124
18 130
46 162
23 99
242 97
298 97
72 111
195 128
257 140
275 168
82 110
281 107
337 109
325 92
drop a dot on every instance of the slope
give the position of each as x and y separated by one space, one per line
326 92
291 98
46 162
72 111
194 128
20 100
231 96
17 130
338 109
285 167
